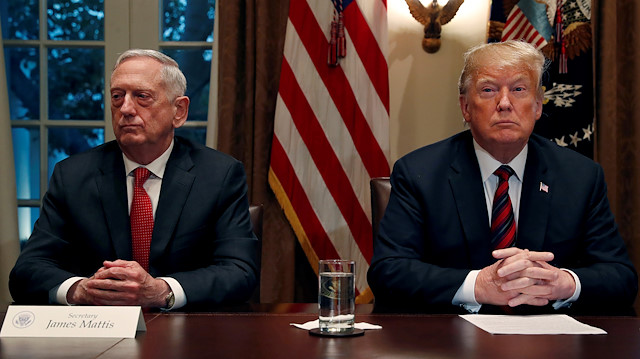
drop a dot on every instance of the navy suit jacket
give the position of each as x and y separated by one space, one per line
202 234
436 227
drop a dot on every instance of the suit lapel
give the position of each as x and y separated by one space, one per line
176 185
468 194
535 200
112 190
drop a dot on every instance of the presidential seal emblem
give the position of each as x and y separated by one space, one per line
23 319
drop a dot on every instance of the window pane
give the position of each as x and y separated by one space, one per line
23 80
196 134
27 217
19 19
76 84
64 142
190 20
75 19
196 65
26 156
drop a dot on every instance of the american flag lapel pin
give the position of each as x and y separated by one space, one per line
544 188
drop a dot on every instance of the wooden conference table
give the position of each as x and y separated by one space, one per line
263 331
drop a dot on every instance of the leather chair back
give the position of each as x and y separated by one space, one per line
380 191
256 214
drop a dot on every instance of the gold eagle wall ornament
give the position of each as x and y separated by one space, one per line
433 16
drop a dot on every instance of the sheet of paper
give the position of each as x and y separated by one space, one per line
530 324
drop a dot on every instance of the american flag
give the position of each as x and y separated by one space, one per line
567 117
528 21
544 187
331 129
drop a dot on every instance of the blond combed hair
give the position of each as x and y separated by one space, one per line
503 55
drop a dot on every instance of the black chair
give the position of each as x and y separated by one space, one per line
380 191
256 214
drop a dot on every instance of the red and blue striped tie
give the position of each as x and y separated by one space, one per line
503 223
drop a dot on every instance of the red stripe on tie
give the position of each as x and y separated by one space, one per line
503 224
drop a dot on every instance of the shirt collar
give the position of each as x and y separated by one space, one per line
488 164
156 167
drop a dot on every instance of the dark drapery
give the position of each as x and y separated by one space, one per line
251 40
617 85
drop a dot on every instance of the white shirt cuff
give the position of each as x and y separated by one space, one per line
178 293
567 302
58 294
466 296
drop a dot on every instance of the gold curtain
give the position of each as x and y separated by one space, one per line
617 91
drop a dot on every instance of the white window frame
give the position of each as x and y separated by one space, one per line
127 24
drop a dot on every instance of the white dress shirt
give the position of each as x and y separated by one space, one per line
465 296
152 187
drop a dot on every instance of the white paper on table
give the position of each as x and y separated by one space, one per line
315 324
530 324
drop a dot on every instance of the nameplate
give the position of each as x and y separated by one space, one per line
72 321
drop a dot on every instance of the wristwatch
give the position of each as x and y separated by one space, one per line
170 299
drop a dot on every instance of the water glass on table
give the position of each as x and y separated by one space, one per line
336 296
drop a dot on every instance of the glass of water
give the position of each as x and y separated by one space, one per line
336 295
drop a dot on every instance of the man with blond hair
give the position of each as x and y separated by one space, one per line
496 218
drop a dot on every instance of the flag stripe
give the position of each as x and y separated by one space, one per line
539 41
368 101
531 32
325 159
371 105
513 21
366 46
334 79
375 14
531 35
300 202
331 129
315 190
327 113
519 27
522 26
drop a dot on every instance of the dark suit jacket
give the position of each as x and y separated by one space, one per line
436 227
202 234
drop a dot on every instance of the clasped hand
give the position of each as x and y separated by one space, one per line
520 277
119 283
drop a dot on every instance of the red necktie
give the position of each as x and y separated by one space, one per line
141 219
503 223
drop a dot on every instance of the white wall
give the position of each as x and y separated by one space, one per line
423 87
